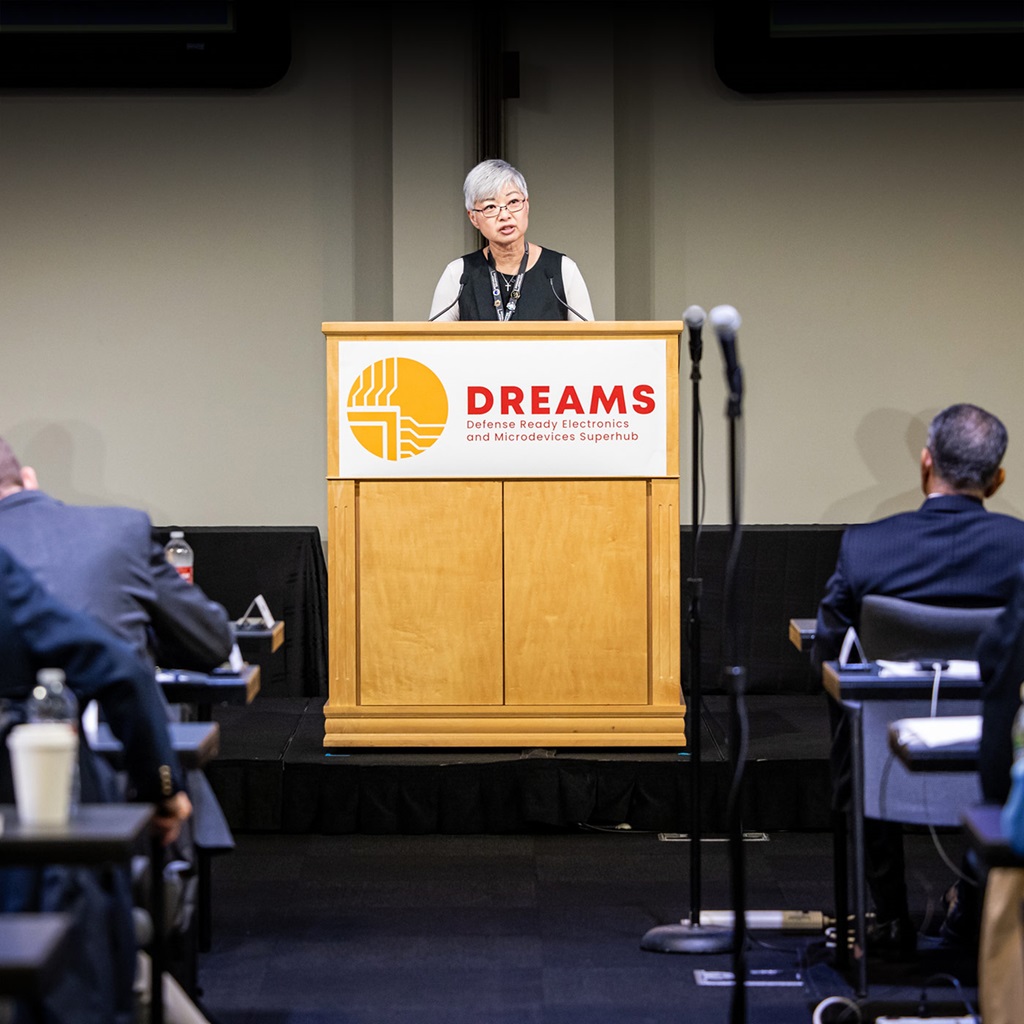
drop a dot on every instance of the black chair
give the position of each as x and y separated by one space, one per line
893 629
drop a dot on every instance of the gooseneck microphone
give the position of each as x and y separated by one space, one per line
726 321
551 281
458 295
694 318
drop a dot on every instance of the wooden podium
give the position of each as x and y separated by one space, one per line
504 610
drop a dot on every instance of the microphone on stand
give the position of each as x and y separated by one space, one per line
726 321
551 281
691 935
694 318
458 295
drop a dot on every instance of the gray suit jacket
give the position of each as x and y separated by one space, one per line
104 561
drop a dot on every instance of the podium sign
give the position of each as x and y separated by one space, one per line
544 408
503 534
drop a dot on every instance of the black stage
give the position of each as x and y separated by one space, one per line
274 775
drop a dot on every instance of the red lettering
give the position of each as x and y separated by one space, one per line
616 398
643 399
511 401
569 402
478 400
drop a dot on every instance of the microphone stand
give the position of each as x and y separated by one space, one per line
691 936
734 678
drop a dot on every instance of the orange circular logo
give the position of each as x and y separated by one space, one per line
397 408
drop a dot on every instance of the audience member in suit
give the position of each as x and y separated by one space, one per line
104 561
1001 950
37 631
949 551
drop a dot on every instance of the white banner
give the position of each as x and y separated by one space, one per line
499 409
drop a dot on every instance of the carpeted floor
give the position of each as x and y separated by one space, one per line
538 928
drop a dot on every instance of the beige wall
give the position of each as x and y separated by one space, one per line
166 258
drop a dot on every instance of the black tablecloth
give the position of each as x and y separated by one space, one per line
286 565
781 574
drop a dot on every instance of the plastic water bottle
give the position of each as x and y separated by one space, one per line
180 554
52 700
1012 816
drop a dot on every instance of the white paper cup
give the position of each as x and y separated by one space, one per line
43 756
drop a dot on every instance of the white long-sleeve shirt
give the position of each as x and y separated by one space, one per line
576 294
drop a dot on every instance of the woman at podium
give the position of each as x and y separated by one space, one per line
509 277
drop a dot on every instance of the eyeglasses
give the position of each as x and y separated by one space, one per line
513 206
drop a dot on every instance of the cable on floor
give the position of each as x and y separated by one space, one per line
851 1011
955 982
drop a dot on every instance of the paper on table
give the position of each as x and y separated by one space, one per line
953 670
940 732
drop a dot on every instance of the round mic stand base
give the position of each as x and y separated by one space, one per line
687 937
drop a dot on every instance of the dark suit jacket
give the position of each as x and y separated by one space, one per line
104 561
36 631
950 551
1001 658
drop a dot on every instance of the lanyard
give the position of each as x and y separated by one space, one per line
505 313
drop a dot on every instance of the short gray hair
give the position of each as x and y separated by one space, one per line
967 444
488 178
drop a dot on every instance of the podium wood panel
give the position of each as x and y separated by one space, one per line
430 623
576 597
503 612
342 594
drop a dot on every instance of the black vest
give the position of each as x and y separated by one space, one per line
536 301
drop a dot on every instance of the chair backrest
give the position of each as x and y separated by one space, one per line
894 629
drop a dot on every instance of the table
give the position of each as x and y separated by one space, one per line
259 644
96 834
801 633
985 834
204 689
871 699
867 682
253 637
195 743
30 949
